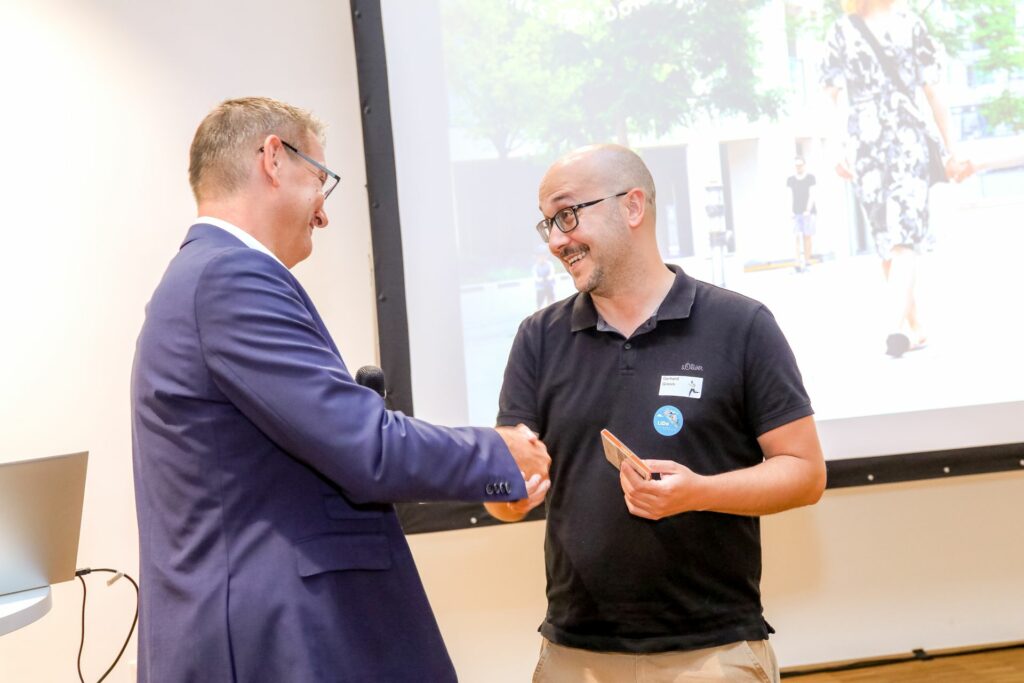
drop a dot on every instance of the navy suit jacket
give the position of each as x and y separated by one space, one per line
263 480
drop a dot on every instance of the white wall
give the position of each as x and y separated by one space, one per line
100 101
868 572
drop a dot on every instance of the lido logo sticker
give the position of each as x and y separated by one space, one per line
668 420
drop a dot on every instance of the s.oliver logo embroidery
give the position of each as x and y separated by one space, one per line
693 367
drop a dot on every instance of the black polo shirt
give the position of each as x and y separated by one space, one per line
697 383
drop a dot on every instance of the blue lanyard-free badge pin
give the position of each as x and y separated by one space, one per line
668 420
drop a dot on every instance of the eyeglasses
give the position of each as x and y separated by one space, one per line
328 178
567 219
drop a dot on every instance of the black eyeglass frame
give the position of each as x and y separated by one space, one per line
327 187
544 226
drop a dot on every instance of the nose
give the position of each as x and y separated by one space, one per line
320 219
557 240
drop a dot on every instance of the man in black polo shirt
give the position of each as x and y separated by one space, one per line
652 579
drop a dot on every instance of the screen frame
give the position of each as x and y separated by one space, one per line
393 326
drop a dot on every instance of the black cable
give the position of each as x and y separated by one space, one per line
81 643
135 620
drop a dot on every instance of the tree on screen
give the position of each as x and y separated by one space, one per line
991 26
561 73
497 62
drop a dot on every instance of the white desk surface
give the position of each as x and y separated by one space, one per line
21 609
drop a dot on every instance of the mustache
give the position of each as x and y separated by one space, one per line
569 252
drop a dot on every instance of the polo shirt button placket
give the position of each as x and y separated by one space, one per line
628 357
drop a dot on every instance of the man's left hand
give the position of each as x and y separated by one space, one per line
674 493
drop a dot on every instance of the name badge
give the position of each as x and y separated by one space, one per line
681 385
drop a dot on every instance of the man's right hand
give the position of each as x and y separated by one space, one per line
530 454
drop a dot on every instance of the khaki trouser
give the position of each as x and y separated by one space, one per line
739 662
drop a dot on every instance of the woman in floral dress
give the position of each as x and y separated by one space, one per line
886 152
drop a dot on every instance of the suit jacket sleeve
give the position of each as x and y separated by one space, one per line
273 361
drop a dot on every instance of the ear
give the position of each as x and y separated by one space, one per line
271 159
636 207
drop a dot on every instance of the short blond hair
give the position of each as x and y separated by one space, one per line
219 158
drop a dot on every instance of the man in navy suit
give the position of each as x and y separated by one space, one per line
264 475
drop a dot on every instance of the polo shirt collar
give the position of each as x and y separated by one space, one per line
676 305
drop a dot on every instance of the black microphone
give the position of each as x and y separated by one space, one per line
372 377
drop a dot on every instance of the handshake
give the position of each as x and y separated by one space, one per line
531 455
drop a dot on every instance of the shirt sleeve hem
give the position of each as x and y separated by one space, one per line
783 418
511 419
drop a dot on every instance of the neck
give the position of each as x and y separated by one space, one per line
246 215
636 296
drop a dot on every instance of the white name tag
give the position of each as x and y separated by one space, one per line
681 385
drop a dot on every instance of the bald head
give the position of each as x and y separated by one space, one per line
598 204
613 167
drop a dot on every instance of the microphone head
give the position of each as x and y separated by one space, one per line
372 377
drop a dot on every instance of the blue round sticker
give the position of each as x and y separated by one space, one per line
668 421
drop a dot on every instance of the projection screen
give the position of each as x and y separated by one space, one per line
720 99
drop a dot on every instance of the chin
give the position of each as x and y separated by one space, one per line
590 283
298 256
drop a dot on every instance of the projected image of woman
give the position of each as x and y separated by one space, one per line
886 153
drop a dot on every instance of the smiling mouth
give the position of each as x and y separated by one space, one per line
573 258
